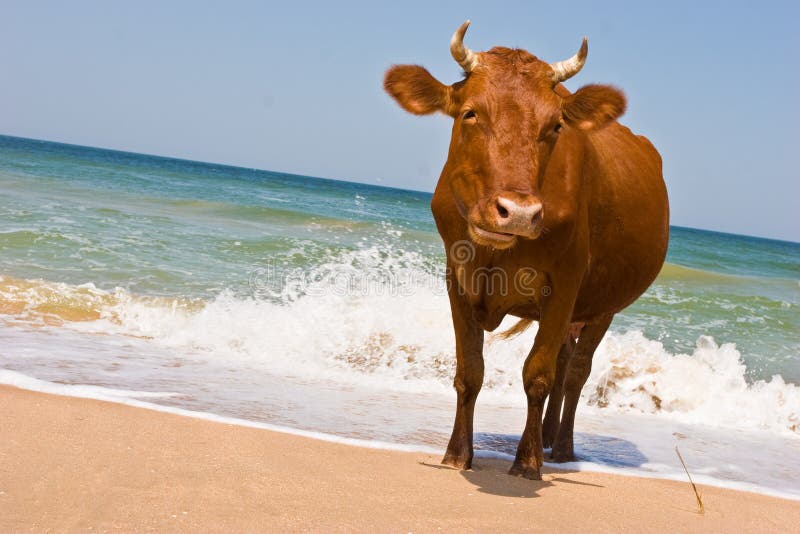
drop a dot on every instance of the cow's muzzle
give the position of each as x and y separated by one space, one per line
507 216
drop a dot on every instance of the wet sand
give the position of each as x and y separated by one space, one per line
69 464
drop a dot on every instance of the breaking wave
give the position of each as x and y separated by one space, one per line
403 341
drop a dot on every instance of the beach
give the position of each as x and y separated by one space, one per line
72 464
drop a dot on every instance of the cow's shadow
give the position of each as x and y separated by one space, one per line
604 450
489 472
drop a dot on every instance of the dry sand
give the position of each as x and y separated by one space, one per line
69 464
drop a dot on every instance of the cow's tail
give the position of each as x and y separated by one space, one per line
517 329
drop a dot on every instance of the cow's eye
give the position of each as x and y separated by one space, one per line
469 114
558 127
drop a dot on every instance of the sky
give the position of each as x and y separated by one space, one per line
296 87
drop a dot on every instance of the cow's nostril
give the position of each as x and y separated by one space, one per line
502 211
536 218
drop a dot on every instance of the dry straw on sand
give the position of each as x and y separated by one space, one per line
700 508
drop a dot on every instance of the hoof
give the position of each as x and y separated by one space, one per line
560 456
525 471
549 433
457 462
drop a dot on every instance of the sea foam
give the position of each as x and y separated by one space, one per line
367 333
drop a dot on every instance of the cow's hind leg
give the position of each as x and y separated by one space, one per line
580 366
552 416
538 376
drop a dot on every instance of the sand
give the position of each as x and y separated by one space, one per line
69 464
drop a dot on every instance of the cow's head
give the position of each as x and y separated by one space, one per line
509 113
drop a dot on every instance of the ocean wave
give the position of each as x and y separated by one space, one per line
39 302
708 386
403 341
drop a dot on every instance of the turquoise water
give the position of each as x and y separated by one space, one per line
320 305
171 227
159 226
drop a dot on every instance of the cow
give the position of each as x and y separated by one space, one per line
543 186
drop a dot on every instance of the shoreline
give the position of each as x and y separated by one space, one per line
136 399
70 463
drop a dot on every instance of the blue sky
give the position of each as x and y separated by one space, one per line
297 88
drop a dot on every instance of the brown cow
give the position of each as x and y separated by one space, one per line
544 187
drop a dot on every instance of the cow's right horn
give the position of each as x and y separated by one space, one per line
463 55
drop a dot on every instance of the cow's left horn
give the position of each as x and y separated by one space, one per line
463 55
564 70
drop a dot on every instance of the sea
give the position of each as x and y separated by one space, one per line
318 307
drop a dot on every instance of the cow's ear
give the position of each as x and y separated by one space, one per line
593 106
416 90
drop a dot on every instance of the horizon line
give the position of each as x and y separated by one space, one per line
339 180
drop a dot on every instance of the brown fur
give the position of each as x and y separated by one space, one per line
415 88
593 106
595 246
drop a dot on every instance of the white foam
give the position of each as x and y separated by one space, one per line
23 381
346 326
708 387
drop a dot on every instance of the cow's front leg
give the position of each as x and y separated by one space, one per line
468 380
538 375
